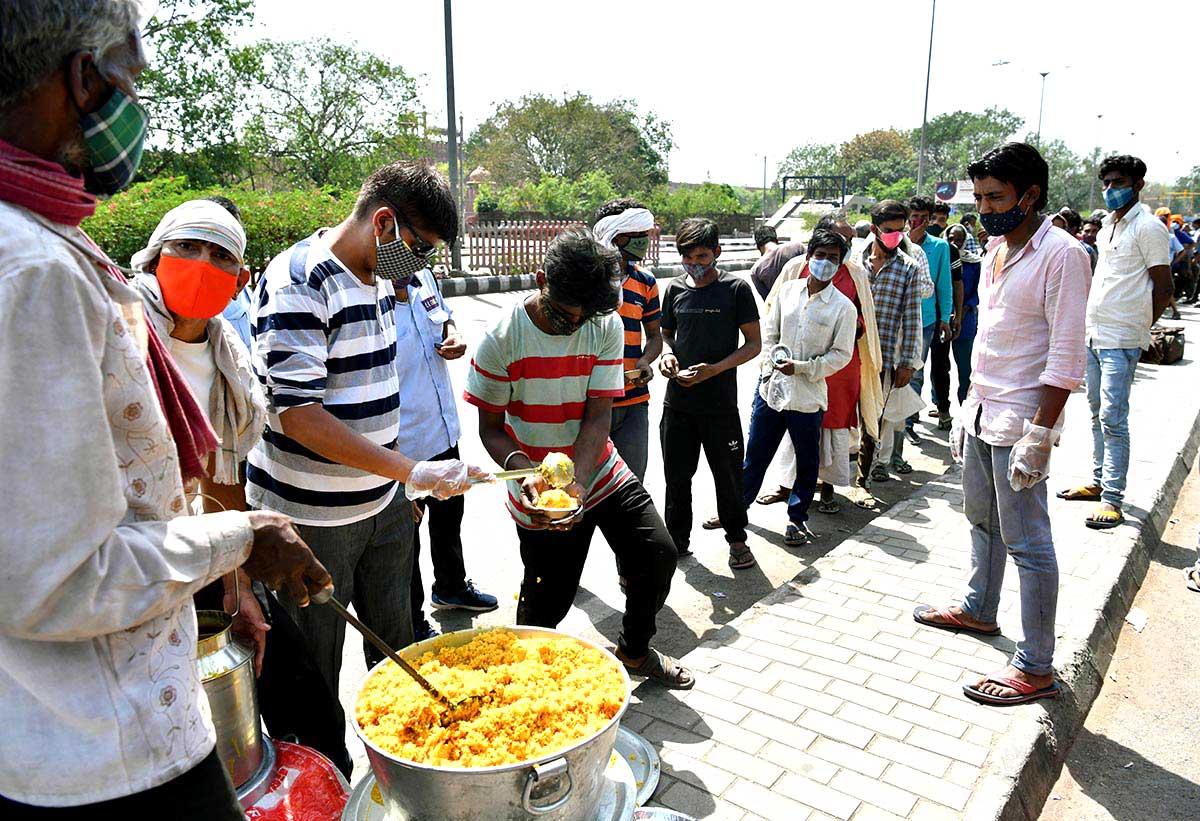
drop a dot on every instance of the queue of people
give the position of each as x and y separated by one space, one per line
311 455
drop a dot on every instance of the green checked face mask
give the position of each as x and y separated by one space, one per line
114 136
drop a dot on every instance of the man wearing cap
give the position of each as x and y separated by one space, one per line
103 712
624 225
774 256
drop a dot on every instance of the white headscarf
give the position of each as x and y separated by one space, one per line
629 221
196 219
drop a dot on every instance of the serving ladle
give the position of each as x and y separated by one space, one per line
455 710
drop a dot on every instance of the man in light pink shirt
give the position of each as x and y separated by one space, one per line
1029 355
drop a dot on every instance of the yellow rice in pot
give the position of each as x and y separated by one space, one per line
544 695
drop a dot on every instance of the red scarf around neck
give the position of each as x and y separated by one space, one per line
43 187
47 190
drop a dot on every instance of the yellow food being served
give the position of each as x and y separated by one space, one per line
556 500
543 695
558 470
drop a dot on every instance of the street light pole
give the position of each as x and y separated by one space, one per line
1095 168
925 110
764 196
1041 105
452 135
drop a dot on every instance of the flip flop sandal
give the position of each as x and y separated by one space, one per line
945 423
951 622
879 473
1193 579
665 670
1026 692
902 467
711 524
797 537
741 558
1083 493
1105 519
866 501
829 508
778 496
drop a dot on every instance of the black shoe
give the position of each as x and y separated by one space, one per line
469 598
424 630
911 435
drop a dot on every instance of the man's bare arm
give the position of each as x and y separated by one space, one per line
326 435
1164 288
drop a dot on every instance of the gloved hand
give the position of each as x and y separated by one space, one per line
443 479
1029 460
958 438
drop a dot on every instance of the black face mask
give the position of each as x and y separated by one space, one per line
934 230
560 322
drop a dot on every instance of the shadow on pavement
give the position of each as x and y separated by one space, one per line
1127 784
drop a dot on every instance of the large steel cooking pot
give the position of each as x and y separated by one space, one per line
227 674
564 786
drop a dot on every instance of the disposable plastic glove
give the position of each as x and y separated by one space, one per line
443 479
1029 460
958 438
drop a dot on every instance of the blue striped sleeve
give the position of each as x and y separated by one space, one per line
293 332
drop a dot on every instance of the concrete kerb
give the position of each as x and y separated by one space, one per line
1024 766
472 285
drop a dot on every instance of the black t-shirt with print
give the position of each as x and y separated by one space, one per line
705 322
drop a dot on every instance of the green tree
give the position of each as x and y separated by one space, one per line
953 141
324 114
191 90
809 159
901 189
1070 175
559 197
883 156
539 135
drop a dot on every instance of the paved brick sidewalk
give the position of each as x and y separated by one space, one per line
827 700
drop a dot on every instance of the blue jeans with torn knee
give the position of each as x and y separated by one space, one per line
1006 521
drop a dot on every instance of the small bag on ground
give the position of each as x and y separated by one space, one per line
1166 346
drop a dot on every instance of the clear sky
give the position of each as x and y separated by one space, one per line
740 80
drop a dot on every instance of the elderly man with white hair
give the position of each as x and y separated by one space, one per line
103 712
625 225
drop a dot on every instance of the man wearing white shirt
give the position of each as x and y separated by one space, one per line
1130 290
817 324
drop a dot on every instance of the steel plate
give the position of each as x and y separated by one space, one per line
642 759
617 803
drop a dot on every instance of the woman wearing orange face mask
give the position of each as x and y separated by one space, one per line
187 274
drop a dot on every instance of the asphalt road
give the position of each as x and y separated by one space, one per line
1137 755
706 594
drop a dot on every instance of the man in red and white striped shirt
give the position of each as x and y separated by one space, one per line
544 379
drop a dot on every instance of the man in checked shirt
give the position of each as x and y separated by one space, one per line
896 289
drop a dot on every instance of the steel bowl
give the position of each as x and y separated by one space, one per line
566 785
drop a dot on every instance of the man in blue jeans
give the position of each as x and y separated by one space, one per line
936 309
816 323
1029 357
1130 290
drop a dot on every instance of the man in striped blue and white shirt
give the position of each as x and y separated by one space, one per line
325 351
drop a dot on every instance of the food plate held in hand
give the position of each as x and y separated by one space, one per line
556 504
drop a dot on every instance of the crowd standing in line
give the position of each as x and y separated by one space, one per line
277 414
